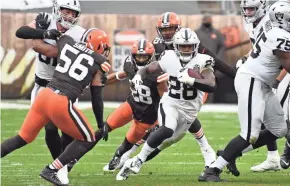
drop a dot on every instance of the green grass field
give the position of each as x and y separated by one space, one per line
178 165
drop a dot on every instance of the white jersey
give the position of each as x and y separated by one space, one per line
262 64
45 65
254 31
187 99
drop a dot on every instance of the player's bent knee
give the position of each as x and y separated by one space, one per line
166 132
251 139
28 138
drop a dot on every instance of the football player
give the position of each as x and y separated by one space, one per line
79 65
179 106
257 103
64 17
141 105
254 15
168 24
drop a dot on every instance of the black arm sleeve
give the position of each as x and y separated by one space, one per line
219 64
204 88
98 104
26 32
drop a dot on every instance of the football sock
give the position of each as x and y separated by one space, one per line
65 140
12 144
220 163
76 149
56 165
234 148
197 131
53 140
125 146
272 146
153 154
265 137
272 154
145 151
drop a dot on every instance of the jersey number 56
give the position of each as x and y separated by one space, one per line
72 67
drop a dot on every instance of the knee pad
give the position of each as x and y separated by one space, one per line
165 132
195 126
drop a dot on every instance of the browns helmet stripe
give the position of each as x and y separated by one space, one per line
166 17
85 34
142 44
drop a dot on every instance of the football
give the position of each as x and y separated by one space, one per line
194 73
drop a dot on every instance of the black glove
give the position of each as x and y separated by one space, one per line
104 78
42 21
104 130
276 84
51 34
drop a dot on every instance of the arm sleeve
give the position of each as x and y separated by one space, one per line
26 32
98 104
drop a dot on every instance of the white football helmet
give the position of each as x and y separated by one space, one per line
252 10
279 14
185 37
61 18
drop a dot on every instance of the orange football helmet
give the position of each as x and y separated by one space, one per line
168 24
98 41
142 52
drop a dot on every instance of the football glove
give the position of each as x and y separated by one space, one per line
42 21
104 130
184 77
137 81
51 34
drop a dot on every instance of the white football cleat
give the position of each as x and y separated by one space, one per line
130 166
63 175
209 155
268 165
124 158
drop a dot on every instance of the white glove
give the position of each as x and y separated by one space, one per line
274 90
185 78
137 81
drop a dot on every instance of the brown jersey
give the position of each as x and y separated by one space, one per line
144 101
77 66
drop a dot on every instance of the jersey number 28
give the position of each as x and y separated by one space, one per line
142 94
188 93
72 69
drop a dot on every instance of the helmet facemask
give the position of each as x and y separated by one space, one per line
186 51
167 33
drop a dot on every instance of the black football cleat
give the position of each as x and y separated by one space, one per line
232 167
285 158
210 175
50 175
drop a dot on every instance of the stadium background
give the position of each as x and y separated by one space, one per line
124 21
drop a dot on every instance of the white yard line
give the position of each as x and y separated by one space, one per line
227 108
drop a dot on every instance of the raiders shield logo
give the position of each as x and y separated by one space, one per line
279 16
196 68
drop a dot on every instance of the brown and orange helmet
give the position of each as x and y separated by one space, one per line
98 41
168 24
142 52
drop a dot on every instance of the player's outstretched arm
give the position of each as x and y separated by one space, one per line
98 103
219 64
162 88
43 48
116 76
207 84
